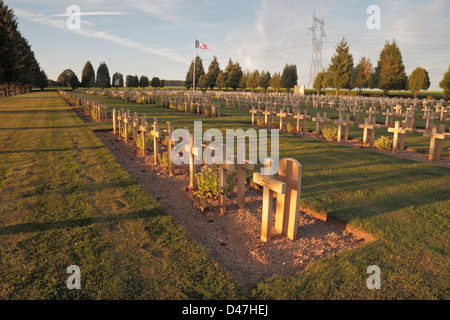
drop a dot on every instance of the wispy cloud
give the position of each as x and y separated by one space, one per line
96 13
60 24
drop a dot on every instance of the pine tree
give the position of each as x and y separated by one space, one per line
289 77
234 76
253 80
275 82
341 67
390 71
361 74
143 81
264 80
418 80
156 83
88 76
220 81
213 72
199 71
103 79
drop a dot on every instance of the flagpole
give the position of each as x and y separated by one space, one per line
193 77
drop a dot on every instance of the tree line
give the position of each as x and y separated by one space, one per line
102 79
19 69
388 74
234 77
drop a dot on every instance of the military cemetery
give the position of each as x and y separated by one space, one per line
231 184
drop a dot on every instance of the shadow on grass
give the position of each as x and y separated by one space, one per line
30 227
51 150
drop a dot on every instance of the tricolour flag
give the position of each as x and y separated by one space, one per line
200 45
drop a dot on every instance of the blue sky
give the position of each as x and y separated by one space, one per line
156 38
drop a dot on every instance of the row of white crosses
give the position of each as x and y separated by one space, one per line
89 106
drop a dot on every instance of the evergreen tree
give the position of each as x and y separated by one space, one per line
234 77
213 73
144 82
445 84
19 69
253 80
88 76
199 71
42 80
275 82
227 72
117 80
103 79
220 81
418 80
361 74
264 80
390 71
289 77
341 67
156 83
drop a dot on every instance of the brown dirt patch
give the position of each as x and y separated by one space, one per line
233 239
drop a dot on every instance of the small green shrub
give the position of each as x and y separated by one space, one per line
148 141
329 133
130 132
163 160
383 143
208 113
291 127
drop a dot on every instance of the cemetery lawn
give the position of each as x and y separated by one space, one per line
70 202
66 201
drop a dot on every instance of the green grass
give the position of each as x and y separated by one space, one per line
98 213
66 200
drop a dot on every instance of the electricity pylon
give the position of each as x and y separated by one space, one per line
316 61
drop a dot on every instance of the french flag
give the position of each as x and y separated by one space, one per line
200 45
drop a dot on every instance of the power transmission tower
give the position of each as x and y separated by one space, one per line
316 61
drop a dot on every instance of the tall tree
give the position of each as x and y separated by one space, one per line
341 67
253 80
234 76
319 81
390 71
289 77
220 81
275 82
445 84
103 79
361 74
199 71
156 83
418 80
117 80
264 80
88 76
19 68
144 82
227 72
42 80
132 81
213 72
